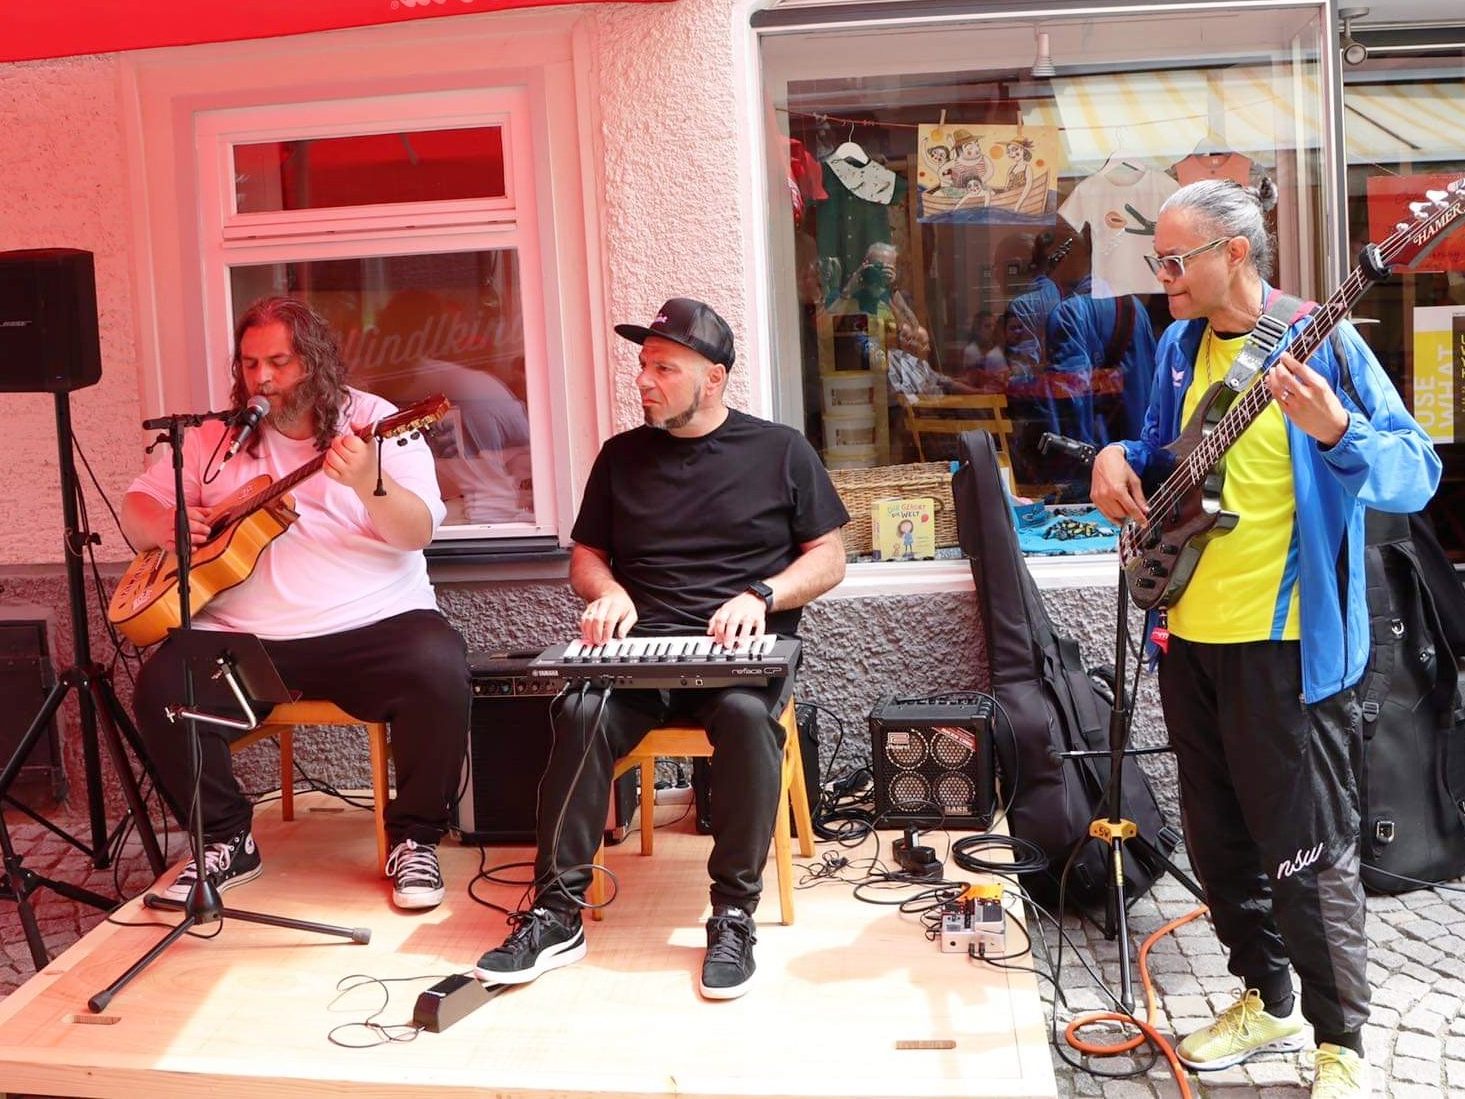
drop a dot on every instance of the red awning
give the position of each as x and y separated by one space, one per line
31 29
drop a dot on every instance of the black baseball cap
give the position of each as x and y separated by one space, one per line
691 323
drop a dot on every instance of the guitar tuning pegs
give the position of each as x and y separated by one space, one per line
1418 209
1437 197
1401 226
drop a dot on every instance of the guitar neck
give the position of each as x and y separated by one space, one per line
1254 401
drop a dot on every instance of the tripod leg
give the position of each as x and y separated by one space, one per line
99 1002
15 876
109 710
1153 852
355 934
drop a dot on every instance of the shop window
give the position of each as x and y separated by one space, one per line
958 239
1401 112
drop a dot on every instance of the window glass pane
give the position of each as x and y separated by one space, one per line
366 169
1402 135
961 243
413 326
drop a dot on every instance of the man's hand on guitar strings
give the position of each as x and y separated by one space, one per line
198 527
1307 399
1115 487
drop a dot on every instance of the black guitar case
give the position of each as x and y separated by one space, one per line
1412 790
1049 705
1412 787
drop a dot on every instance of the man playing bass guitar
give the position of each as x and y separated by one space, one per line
341 598
1270 635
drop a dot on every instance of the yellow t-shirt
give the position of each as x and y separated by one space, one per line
1245 586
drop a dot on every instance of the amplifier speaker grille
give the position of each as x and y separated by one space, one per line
933 761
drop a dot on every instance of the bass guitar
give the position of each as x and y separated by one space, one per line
146 604
1159 554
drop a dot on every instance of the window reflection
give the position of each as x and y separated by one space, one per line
413 326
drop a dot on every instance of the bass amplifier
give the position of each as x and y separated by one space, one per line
509 737
934 761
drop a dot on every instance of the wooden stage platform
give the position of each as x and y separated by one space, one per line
248 1012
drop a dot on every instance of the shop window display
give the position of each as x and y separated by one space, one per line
971 250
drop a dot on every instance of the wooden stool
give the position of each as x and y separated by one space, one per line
690 740
281 723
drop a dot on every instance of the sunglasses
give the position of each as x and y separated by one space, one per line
1174 266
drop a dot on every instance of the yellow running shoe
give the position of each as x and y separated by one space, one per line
1243 1030
1339 1074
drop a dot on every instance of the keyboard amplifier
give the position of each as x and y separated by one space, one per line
933 761
509 737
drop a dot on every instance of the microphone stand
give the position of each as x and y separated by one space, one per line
1114 829
203 906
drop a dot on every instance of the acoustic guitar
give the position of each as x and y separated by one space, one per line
146 604
1160 553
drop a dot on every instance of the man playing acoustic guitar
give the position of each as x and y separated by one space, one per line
1269 637
341 598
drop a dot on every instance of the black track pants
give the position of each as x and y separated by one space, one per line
1269 798
410 670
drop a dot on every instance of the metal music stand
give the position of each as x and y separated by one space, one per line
237 665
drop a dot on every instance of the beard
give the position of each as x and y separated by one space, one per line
295 404
680 419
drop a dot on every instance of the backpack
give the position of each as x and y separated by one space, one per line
1048 704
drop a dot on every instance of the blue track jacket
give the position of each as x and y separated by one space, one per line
1383 461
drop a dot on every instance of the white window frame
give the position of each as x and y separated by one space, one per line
182 309
232 239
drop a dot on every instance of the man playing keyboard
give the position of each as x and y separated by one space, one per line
705 522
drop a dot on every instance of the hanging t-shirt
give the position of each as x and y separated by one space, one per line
1120 204
690 523
1198 166
329 571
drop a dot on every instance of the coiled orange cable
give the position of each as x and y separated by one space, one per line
1147 1031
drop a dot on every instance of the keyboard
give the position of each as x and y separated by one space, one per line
662 663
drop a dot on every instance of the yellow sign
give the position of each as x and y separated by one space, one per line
1438 370
903 530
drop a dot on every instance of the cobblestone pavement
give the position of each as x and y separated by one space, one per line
1416 1041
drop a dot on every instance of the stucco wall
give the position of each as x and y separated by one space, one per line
63 184
671 172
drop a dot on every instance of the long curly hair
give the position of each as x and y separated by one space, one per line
319 352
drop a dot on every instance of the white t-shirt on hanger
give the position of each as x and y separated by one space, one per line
1120 203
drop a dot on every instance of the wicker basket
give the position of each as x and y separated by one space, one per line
859 488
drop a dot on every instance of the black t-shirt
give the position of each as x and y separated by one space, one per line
690 523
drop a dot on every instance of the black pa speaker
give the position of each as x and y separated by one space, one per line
48 321
509 737
933 761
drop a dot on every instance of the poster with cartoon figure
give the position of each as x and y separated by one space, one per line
981 173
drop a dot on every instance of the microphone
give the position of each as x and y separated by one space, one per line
1083 452
249 417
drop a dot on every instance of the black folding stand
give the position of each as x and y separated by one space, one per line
97 703
203 906
1114 829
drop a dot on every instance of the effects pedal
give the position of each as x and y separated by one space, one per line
975 923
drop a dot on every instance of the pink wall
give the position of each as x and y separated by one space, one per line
63 184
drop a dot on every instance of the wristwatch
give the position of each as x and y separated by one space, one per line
763 592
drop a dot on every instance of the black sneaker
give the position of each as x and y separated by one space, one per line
541 940
227 864
417 880
728 967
